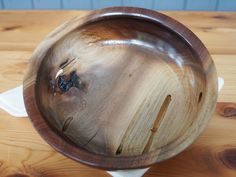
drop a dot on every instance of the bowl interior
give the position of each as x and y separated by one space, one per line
121 87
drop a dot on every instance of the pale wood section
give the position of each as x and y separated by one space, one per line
216 30
23 151
13 66
22 30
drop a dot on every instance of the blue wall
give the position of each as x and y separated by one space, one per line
195 5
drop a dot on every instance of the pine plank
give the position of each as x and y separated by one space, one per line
24 32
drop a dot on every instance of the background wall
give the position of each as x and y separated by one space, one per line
200 5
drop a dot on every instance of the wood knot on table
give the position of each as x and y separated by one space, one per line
10 28
226 109
228 158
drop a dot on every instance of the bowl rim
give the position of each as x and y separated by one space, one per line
108 162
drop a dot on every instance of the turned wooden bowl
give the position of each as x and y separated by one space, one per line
120 88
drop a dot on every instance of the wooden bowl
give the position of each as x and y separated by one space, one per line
120 88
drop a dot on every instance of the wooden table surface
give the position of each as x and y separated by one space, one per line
22 150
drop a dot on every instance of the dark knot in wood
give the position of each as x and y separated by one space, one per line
64 82
228 157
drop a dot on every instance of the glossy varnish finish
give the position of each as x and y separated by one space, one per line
120 88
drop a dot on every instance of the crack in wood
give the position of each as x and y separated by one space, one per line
199 97
157 122
66 63
90 140
119 149
66 124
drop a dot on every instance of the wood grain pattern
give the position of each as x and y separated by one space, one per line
212 28
21 146
92 94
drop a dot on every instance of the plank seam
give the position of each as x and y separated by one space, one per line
153 4
61 4
91 4
185 4
217 5
32 4
3 5
122 2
